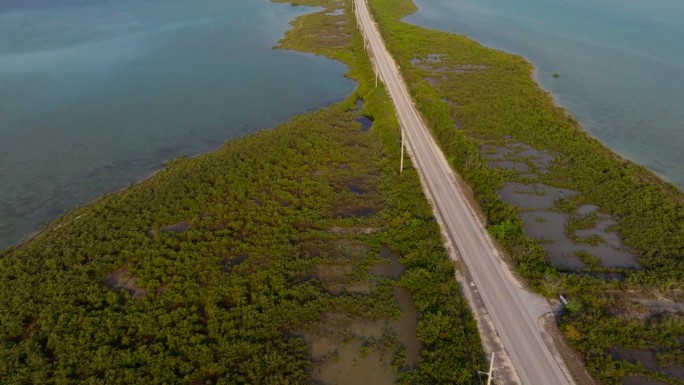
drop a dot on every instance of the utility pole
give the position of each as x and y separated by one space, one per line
366 43
401 162
491 369
375 69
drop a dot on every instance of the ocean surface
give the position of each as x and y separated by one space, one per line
621 64
97 94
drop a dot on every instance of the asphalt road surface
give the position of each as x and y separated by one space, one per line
518 331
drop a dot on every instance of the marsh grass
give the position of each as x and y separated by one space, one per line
500 104
227 296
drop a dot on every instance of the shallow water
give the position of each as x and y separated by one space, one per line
352 367
392 269
584 210
366 122
344 351
513 156
98 94
510 165
648 359
348 349
638 380
621 64
533 196
645 357
601 229
549 226
406 325
542 221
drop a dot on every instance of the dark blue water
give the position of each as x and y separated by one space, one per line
621 64
96 94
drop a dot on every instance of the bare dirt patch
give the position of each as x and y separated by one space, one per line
175 228
356 230
121 279
338 278
349 250
358 186
346 209
229 263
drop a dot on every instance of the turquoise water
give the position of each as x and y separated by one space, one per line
621 64
96 94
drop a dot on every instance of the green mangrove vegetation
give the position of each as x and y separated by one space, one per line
261 262
505 136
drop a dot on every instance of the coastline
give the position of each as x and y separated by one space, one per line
153 163
592 122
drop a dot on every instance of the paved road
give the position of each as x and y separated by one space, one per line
518 331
